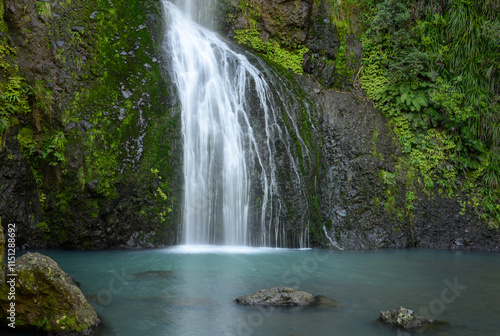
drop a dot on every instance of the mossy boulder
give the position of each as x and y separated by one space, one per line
277 296
46 300
407 319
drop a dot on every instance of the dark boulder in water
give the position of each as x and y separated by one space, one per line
407 319
277 296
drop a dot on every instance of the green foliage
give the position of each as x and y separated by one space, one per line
160 193
346 24
348 14
343 62
44 97
373 78
14 92
53 147
92 118
50 150
492 171
3 25
112 34
288 59
433 71
280 49
43 227
388 178
44 10
410 198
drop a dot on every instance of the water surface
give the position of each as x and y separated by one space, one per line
190 291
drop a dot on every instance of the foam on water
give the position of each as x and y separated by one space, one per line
202 249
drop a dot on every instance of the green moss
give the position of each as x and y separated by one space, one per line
289 59
69 323
3 25
343 61
281 49
44 10
44 96
43 227
116 100
374 144
43 325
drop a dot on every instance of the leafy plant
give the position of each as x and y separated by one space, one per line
14 91
432 69
44 10
388 178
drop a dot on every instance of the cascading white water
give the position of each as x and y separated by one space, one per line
224 163
218 139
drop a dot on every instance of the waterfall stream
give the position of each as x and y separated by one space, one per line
230 184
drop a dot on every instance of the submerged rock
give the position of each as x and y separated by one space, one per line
277 296
324 302
46 300
407 319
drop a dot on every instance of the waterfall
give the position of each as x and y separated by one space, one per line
230 184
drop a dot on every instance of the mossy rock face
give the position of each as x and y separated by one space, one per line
334 43
46 300
95 162
322 33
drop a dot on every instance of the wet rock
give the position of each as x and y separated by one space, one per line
92 185
486 234
342 213
78 29
46 300
277 296
19 202
70 280
407 319
126 94
324 302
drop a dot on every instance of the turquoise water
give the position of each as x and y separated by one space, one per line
181 291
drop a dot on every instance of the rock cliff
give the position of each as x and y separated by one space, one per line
92 162
367 198
91 156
